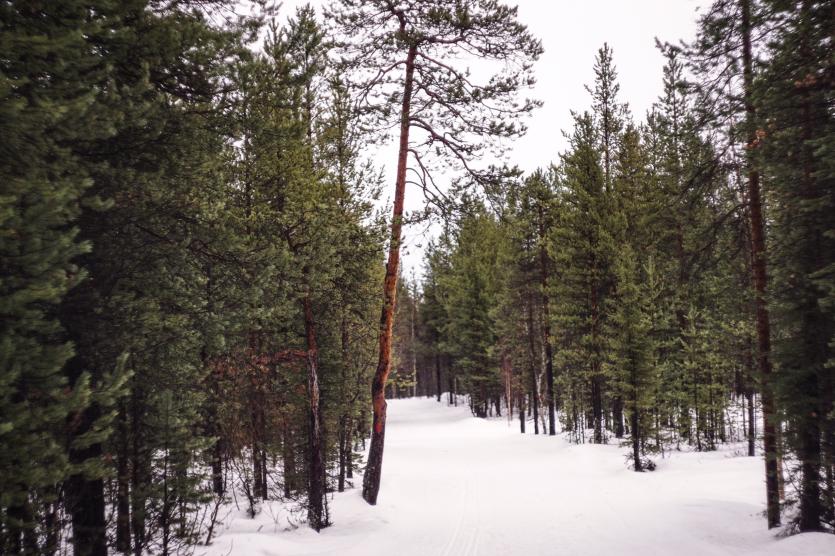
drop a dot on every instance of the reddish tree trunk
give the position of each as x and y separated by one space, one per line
373 470
760 282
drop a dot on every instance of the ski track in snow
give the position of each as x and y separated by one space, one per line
454 485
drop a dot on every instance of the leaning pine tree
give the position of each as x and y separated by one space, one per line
399 52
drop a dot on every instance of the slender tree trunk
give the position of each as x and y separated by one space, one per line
752 431
635 432
617 416
316 518
758 256
829 465
213 427
23 539
288 461
438 376
749 396
374 467
255 456
52 522
344 420
340 483
140 473
534 380
413 302
546 329
86 497
349 453
809 454
596 377
123 484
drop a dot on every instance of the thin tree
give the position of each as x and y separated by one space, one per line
760 278
726 37
400 53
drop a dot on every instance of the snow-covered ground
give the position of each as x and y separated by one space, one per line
454 485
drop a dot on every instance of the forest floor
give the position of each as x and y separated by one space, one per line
454 485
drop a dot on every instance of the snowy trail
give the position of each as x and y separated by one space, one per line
454 485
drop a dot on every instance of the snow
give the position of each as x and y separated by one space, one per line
454 485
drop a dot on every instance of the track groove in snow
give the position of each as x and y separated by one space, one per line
454 485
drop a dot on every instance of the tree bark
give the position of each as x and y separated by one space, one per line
758 256
438 376
374 467
123 484
546 328
316 518
86 498
534 385
85 495
140 474
617 416
635 432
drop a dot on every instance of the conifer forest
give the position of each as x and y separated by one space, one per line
206 301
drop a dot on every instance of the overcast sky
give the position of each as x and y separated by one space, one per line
571 32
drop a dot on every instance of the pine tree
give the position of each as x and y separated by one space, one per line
452 116
145 282
471 289
49 75
794 92
634 303
580 253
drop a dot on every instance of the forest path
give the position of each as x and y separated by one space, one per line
454 485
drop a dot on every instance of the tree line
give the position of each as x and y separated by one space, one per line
663 282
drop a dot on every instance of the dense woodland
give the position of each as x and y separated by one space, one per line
194 241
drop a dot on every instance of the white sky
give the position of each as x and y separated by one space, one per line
571 32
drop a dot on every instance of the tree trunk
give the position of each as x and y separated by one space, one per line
374 467
809 454
617 416
288 461
23 539
85 496
596 377
140 473
316 518
635 432
748 382
349 454
438 376
86 500
534 381
340 481
123 484
752 431
758 256
344 420
546 327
